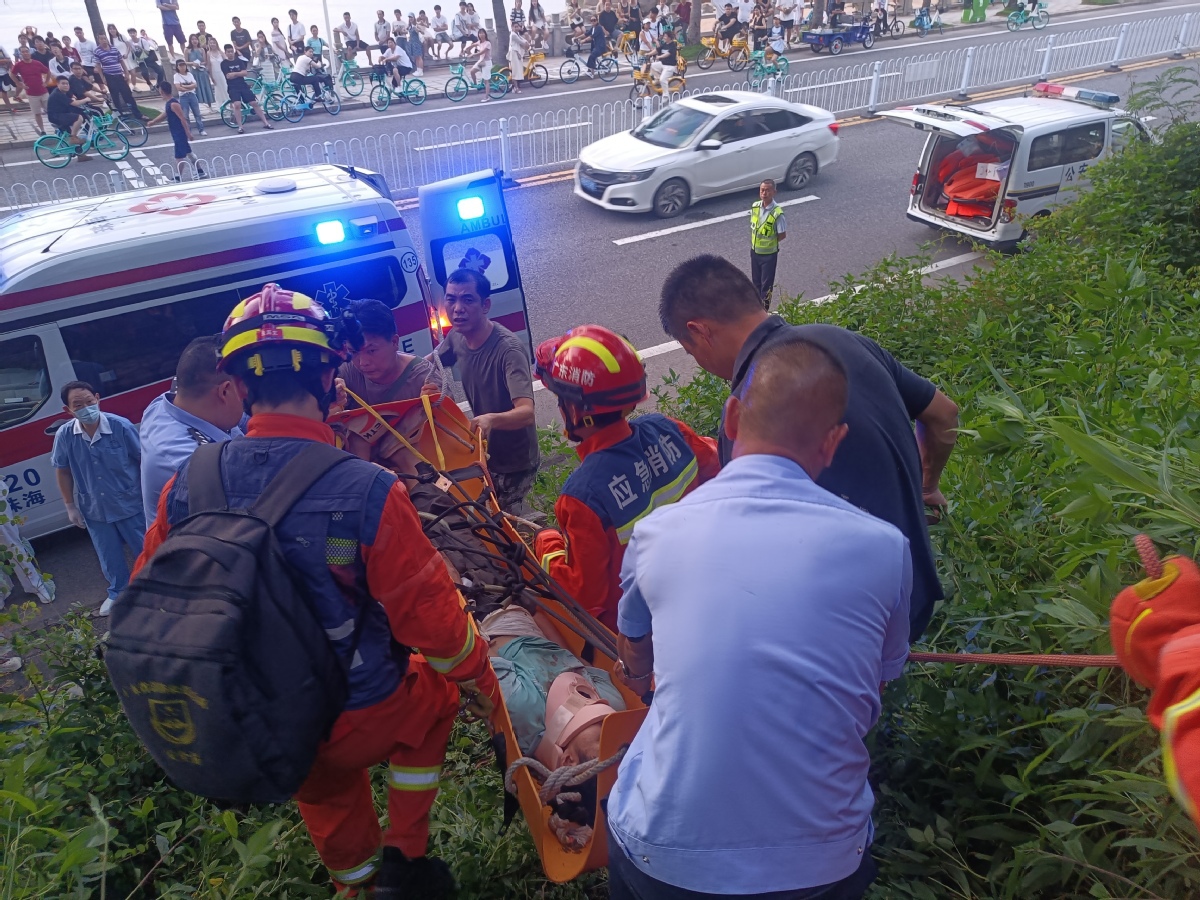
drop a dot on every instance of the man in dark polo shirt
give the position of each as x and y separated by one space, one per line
883 466
494 366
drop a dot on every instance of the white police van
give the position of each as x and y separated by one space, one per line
111 289
987 167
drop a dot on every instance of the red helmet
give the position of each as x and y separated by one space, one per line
278 330
593 370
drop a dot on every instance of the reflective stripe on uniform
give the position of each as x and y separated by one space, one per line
447 665
763 237
550 557
357 875
1171 718
414 778
665 495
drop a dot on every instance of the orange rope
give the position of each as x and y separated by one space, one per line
1018 659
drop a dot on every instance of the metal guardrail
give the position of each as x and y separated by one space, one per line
539 141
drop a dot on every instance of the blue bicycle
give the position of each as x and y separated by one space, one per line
925 22
295 107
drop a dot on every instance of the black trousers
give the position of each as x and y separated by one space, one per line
122 96
762 273
627 882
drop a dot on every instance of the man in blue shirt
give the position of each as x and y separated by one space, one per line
96 461
768 612
712 309
205 408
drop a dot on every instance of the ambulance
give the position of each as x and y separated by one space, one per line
987 167
110 289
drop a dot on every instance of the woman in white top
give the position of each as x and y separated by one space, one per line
279 41
185 90
535 22
265 58
518 55
473 19
483 65
220 88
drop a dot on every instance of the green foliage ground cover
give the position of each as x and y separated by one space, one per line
1075 364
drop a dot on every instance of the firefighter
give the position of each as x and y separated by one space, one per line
1155 628
355 539
628 467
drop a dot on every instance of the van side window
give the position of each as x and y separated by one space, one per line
1126 132
24 379
133 349
1084 143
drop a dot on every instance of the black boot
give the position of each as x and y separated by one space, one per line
423 878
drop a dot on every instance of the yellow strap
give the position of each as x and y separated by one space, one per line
397 435
437 444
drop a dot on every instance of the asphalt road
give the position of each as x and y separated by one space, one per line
574 271
20 166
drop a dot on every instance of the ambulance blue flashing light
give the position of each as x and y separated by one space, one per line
333 232
1102 99
470 208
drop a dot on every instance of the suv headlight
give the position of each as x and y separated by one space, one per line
630 177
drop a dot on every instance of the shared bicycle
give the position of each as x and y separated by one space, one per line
1039 19
535 73
626 45
296 106
458 87
98 133
737 57
411 89
607 68
352 79
926 22
764 69
645 84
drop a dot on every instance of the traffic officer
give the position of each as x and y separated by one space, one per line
628 467
355 539
768 226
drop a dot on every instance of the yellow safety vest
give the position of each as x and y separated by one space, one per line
763 238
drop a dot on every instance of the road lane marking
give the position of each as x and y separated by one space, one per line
621 242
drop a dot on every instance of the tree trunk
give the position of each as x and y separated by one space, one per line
93 13
500 38
693 35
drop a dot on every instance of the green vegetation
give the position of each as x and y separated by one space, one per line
1075 364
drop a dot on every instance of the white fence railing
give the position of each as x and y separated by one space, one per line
544 140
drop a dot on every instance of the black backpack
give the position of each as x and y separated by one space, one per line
217 655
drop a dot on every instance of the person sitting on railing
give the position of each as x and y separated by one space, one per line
309 71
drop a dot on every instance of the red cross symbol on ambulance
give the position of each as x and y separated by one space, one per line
172 204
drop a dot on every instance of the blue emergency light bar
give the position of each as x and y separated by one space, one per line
1102 99
333 232
470 208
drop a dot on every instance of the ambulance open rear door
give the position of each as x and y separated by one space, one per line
464 224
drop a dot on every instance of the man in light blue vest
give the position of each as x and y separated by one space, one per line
768 226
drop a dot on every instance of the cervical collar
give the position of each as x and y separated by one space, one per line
571 706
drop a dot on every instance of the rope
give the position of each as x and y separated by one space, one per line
1075 661
1149 555
553 782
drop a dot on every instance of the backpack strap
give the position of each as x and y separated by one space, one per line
294 480
206 492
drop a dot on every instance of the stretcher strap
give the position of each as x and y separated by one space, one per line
437 444
1075 661
397 435
553 781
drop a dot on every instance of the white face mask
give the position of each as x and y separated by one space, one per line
89 415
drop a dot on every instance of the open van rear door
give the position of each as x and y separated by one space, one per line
956 121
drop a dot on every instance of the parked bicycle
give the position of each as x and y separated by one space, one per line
98 133
411 89
626 45
132 129
891 26
607 68
1038 18
535 73
295 107
926 22
353 80
737 57
458 87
